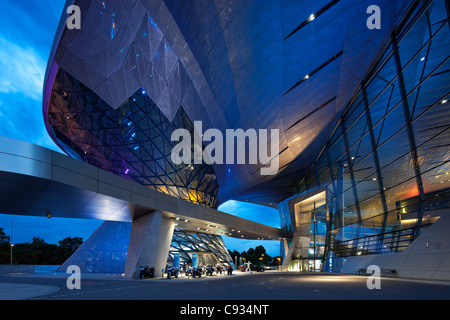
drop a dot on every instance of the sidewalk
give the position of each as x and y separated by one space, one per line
13 291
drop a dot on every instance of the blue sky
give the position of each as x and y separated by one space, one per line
27 29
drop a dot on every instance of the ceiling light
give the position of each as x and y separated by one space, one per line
423 58
312 17
306 77
444 101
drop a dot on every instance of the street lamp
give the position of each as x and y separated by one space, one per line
11 243
11 253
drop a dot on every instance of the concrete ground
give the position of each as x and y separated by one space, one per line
270 285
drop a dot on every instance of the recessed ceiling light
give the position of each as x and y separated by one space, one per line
444 101
423 58
312 17
307 77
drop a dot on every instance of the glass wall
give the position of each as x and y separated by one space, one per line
132 141
386 167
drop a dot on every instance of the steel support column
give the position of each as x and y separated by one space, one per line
411 138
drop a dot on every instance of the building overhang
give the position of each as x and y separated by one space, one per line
36 181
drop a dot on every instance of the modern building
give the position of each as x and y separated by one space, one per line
378 191
358 91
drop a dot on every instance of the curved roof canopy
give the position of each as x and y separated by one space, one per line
262 64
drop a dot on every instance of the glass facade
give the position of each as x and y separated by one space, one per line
106 249
209 247
385 170
132 141
104 252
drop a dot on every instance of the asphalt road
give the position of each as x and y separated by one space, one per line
239 287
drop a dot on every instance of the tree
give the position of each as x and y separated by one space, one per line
257 256
234 254
4 239
5 254
38 252
68 246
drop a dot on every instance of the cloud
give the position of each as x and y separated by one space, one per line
21 70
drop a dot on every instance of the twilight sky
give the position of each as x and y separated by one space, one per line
27 29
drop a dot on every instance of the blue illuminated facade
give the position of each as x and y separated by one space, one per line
363 113
384 172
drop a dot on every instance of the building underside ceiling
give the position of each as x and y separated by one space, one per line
259 64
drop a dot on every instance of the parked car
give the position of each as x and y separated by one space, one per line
253 267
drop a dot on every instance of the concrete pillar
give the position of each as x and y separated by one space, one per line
150 239
288 256
285 247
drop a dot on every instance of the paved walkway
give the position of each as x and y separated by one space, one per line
287 286
13 291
